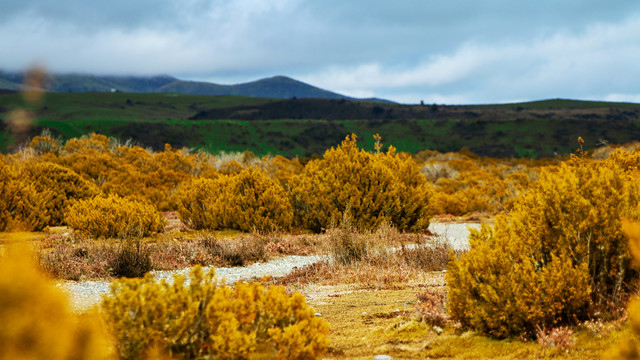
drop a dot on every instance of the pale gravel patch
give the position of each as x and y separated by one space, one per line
85 294
456 234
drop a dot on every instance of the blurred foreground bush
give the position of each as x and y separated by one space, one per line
114 217
628 348
557 257
35 319
206 319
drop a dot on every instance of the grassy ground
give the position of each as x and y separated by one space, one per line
365 323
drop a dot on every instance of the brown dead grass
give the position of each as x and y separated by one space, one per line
66 256
386 259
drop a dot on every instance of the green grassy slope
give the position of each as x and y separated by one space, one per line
303 127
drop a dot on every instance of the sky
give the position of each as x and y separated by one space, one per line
436 51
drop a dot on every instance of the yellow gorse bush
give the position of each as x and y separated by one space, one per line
114 217
247 201
202 318
44 144
465 185
21 206
558 252
57 186
198 206
376 188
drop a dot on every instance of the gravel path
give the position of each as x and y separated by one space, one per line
87 293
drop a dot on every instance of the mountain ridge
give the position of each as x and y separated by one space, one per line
280 87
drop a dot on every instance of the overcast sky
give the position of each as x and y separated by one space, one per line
439 51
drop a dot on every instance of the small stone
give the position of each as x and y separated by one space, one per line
382 357
317 314
438 330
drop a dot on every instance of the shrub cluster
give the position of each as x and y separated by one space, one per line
247 201
375 188
58 186
114 217
206 319
464 183
559 255
20 206
266 193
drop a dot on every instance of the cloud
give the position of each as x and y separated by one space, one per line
602 59
622 98
490 51
222 39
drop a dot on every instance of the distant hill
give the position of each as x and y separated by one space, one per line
280 87
303 127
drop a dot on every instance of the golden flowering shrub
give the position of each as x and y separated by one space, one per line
255 202
114 217
560 250
35 319
208 319
198 204
282 169
88 144
246 201
132 171
44 144
57 186
375 188
465 184
21 206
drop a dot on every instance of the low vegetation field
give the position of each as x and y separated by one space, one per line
549 273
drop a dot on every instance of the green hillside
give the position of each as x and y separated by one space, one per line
307 126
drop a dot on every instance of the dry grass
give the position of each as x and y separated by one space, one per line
365 323
68 257
132 260
386 259
431 307
560 338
